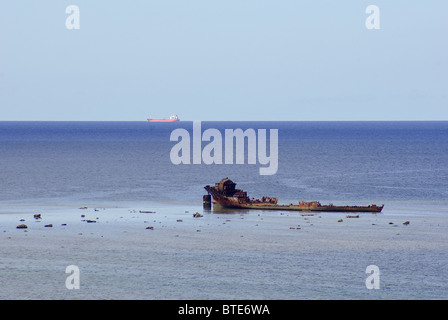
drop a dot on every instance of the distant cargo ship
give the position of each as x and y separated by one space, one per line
171 119
225 193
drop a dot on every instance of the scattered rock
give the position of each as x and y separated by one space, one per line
22 226
90 221
197 215
83 208
340 220
179 220
352 216
406 223
22 220
48 225
37 216
143 211
150 228
83 216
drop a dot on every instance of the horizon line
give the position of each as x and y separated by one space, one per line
444 120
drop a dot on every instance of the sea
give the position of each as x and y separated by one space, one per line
55 168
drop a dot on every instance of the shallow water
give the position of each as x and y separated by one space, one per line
251 255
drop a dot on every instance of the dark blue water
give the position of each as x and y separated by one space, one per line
250 255
130 161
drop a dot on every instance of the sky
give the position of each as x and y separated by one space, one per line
212 60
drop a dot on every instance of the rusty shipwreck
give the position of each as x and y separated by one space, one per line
225 194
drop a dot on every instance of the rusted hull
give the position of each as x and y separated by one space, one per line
229 197
309 209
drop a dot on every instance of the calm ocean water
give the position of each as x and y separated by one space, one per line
129 161
235 256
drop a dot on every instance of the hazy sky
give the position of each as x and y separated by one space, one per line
224 60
